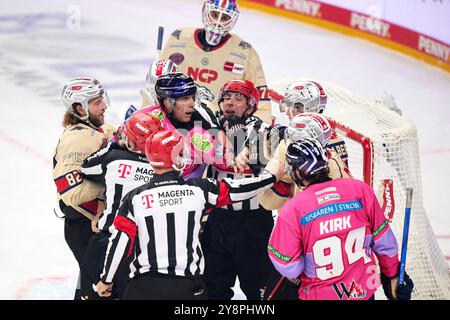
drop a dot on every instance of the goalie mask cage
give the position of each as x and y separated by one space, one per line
383 151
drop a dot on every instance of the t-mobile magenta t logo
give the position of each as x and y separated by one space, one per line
147 201
124 169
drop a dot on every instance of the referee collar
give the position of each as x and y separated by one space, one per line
170 175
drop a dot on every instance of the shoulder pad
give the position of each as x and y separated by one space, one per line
77 128
245 45
176 34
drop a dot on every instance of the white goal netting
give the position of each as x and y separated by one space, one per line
383 151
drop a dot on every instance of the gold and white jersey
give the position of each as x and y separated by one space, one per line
77 142
212 67
275 197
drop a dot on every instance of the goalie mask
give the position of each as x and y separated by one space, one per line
158 68
304 96
306 157
219 17
82 91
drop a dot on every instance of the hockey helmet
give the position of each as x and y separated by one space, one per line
309 125
244 87
305 96
219 17
164 149
307 156
158 68
137 129
81 91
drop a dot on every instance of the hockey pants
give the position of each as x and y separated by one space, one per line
77 233
235 244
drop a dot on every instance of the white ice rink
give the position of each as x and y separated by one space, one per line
42 47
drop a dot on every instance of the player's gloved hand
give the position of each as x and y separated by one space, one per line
391 290
279 131
241 161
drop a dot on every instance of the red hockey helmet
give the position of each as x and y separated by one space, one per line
137 129
244 87
164 148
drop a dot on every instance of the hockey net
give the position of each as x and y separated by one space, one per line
383 152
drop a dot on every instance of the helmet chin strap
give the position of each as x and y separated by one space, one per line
85 118
297 179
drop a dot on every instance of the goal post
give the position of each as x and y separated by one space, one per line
383 151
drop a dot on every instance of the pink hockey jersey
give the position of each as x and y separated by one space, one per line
202 147
329 234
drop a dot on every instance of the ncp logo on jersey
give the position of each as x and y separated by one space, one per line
124 170
203 75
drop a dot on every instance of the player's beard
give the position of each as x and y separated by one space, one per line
97 122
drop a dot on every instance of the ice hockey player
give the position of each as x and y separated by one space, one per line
159 223
213 56
158 68
303 125
235 236
80 200
121 167
309 96
177 110
330 233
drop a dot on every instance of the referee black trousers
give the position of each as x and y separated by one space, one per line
235 244
164 287
94 261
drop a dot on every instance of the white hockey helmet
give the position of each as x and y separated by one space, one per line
309 125
81 91
219 17
305 96
158 68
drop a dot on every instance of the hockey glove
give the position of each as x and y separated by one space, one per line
391 290
234 128
279 131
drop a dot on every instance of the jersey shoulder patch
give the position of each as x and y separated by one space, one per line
177 34
245 45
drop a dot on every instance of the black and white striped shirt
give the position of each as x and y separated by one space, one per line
159 223
121 171
255 131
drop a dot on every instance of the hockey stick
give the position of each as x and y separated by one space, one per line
277 286
401 273
159 42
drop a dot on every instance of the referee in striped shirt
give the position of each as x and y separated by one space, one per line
159 223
